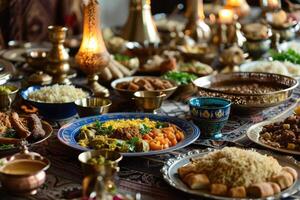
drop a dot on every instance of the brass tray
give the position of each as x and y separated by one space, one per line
247 101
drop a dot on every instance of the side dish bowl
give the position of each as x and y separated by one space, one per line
57 111
129 94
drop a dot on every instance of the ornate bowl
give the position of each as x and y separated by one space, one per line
244 100
210 114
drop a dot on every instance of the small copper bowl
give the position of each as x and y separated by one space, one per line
148 101
92 106
20 183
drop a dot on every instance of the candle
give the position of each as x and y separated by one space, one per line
234 3
226 16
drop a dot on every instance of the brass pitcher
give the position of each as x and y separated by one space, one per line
196 27
140 26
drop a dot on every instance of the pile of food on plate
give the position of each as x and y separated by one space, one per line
57 94
195 67
119 66
130 135
14 128
246 87
181 78
284 134
289 55
237 173
145 84
277 67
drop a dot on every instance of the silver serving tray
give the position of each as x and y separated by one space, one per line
169 172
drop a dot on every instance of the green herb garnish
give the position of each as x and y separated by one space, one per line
144 129
132 143
161 125
289 55
181 78
119 57
100 130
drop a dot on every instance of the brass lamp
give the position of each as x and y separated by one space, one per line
196 27
92 56
140 26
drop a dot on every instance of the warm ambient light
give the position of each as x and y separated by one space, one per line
226 16
234 3
92 56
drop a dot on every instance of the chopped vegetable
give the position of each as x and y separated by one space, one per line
120 57
144 129
131 143
181 78
5 90
289 55
99 160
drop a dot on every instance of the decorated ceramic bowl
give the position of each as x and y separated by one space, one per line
210 114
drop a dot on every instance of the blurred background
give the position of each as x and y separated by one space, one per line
27 20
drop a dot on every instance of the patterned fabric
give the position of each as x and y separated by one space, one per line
28 20
141 174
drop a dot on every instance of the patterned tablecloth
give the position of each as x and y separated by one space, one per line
137 174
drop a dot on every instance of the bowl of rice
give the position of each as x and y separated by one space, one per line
55 101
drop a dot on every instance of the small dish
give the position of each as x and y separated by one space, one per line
23 173
210 114
129 94
7 98
92 106
148 101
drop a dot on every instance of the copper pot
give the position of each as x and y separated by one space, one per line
23 184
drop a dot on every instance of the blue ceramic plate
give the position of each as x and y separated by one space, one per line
68 133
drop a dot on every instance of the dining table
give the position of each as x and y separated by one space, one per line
138 176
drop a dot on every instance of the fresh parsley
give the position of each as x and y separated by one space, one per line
100 130
161 125
144 129
132 144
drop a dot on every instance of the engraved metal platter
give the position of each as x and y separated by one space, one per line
253 132
169 172
248 101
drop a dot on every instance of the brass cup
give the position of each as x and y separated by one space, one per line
148 101
7 99
25 184
92 106
105 171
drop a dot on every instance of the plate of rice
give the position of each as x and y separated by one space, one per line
55 101
233 173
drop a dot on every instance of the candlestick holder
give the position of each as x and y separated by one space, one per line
92 56
58 57
196 28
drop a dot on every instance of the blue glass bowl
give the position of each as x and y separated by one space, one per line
54 111
210 114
